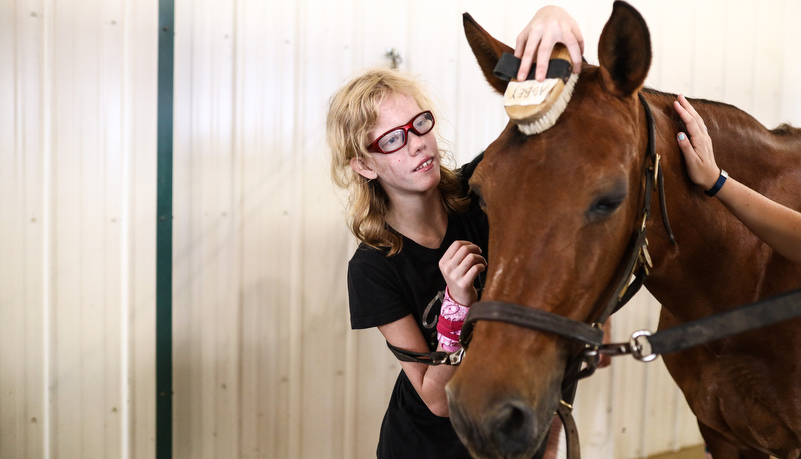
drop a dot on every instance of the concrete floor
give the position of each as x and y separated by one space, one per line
695 452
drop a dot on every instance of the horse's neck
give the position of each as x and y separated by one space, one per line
767 161
717 262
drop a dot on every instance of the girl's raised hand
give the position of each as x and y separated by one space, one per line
550 25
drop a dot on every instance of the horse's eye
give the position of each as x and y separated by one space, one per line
605 206
476 191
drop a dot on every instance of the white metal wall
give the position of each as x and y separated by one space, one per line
265 364
77 228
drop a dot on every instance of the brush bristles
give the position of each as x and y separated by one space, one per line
549 119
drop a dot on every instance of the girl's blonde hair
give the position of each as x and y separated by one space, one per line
352 115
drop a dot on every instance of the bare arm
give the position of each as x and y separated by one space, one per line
777 225
460 265
428 381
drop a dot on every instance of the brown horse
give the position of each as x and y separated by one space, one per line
562 206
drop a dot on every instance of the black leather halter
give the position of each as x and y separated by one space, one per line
637 263
643 345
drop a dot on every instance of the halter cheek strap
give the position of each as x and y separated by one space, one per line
637 263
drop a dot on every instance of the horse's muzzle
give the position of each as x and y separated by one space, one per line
509 429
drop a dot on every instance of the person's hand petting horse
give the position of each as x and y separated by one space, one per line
775 224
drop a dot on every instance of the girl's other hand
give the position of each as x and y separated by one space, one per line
460 266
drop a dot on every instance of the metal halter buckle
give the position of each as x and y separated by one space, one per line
641 347
455 358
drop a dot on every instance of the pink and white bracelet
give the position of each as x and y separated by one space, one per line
449 325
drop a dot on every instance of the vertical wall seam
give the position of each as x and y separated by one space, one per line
296 296
164 396
47 216
126 222
237 214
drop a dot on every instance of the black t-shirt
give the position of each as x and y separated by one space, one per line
385 289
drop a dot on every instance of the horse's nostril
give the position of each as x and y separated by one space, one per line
511 419
513 428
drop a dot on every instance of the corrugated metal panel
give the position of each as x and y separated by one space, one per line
77 211
265 364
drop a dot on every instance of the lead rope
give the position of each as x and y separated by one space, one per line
565 412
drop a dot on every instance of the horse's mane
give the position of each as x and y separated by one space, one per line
782 130
765 159
672 97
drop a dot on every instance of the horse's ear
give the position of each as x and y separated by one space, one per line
487 51
624 51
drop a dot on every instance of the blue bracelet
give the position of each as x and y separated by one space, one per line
718 185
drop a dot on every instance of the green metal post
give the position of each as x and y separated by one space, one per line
164 231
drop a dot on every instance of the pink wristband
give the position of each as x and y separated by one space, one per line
448 345
449 325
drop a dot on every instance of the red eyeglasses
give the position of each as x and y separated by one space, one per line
396 138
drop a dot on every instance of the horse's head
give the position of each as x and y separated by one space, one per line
562 207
